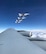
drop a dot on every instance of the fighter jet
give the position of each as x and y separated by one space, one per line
25 14
18 21
21 17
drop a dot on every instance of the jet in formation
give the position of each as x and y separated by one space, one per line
21 17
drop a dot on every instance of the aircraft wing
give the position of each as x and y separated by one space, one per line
26 14
14 43
40 42
20 14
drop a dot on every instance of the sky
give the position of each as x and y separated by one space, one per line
9 10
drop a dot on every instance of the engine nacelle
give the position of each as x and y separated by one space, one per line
25 33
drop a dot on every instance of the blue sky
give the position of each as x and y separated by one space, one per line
9 10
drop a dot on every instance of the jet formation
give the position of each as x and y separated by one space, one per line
21 17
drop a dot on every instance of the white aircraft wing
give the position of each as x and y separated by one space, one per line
23 17
40 42
26 14
20 14
11 42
